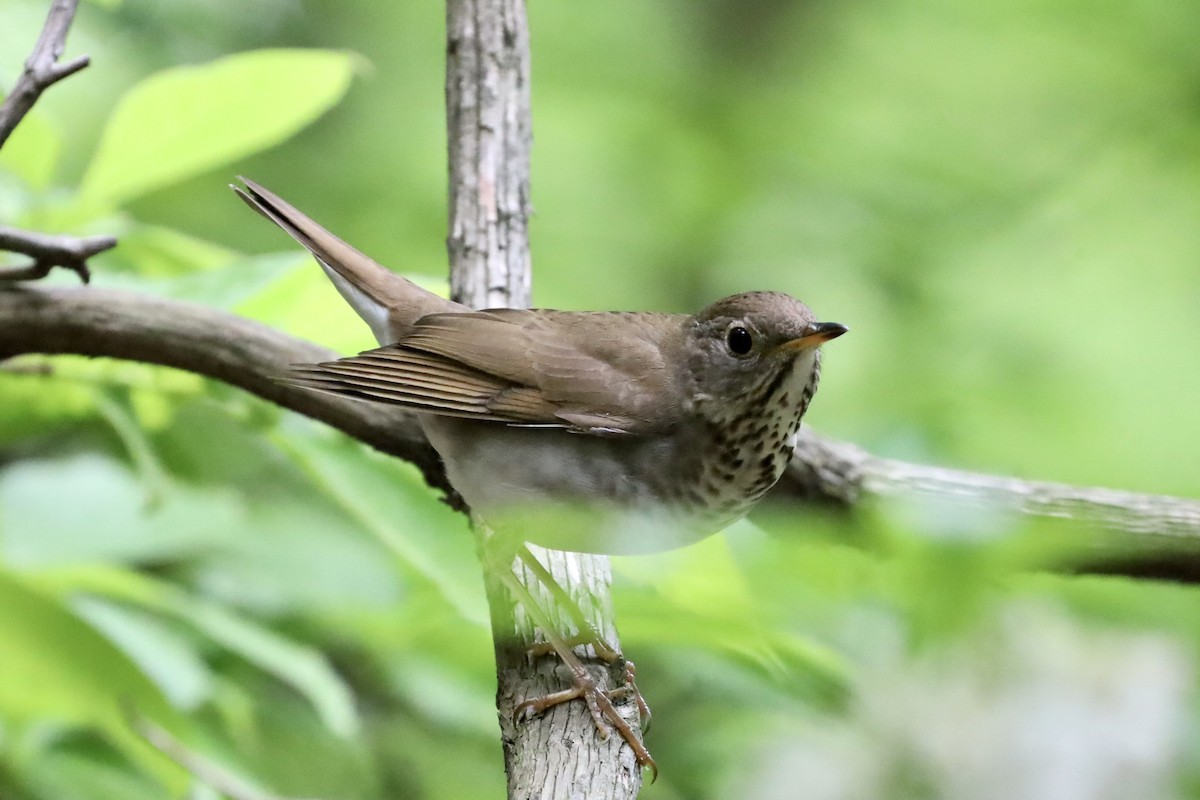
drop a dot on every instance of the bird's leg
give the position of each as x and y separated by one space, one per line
599 702
588 635
628 669
587 632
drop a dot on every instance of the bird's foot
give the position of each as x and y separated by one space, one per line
600 706
599 702
609 656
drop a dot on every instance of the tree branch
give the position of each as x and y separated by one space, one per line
49 251
843 473
488 140
246 354
42 69
228 348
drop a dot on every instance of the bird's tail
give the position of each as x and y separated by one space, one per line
388 303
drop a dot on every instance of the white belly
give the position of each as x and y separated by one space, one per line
567 491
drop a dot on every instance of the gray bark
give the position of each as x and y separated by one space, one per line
489 130
42 69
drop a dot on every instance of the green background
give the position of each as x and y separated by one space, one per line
1001 200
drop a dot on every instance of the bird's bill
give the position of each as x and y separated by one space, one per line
818 333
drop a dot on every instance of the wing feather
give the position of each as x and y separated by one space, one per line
523 367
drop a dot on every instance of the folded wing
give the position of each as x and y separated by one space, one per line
521 367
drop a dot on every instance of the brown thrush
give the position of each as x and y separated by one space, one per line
601 432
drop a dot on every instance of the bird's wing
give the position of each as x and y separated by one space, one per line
426 382
522 367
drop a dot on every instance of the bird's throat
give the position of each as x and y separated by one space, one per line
750 445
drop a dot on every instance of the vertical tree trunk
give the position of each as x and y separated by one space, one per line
488 126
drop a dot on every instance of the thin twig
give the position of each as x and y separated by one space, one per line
49 251
41 369
42 69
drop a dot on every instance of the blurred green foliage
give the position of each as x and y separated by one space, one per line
1000 199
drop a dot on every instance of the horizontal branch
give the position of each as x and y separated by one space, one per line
216 344
244 353
828 470
49 251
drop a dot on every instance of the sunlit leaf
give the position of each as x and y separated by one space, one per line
79 675
186 120
227 284
33 402
32 151
304 303
54 666
153 250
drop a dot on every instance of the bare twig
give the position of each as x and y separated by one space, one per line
844 473
42 69
50 251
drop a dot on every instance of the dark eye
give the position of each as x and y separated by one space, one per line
739 340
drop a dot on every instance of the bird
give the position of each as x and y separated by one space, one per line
592 431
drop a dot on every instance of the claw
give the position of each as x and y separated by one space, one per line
644 715
599 702
608 655
600 705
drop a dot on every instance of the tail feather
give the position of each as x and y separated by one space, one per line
388 303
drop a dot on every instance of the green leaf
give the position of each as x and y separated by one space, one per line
152 250
32 151
37 401
186 120
301 667
388 500
304 303
54 666
80 771
239 280
242 281
160 649
117 413
105 516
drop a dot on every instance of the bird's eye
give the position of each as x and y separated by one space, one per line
739 340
